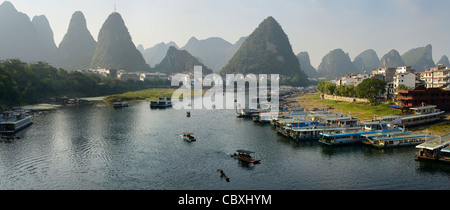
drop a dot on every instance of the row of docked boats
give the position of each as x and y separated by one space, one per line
339 129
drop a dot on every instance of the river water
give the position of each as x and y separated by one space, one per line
102 148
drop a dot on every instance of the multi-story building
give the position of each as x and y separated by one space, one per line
353 80
431 96
436 77
384 73
407 79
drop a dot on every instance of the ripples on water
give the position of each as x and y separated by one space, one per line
89 147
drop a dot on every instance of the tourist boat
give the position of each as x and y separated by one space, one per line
421 115
314 132
397 140
120 104
356 136
188 137
310 130
161 103
245 156
436 148
248 113
268 117
12 122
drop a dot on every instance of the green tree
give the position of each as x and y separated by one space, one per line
326 87
401 87
371 89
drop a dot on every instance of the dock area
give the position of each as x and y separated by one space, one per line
437 148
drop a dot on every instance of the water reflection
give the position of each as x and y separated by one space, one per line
91 147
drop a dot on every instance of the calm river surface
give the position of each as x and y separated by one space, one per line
92 147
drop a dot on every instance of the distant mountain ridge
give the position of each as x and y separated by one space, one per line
179 61
392 59
420 58
336 63
268 50
156 54
305 65
25 39
444 61
214 52
367 61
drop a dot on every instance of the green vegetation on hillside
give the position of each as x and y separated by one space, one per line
268 51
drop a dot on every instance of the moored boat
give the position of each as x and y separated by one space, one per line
315 132
161 103
120 104
12 122
397 140
420 115
356 136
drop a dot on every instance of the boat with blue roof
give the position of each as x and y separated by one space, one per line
398 139
356 136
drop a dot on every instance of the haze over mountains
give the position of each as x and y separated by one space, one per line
266 50
25 39
179 61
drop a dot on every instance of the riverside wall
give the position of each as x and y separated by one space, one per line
341 98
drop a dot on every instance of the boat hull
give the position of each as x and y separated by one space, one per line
11 128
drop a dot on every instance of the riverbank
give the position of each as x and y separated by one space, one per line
147 95
366 111
361 110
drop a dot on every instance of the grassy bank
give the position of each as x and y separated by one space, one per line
150 94
439 129
147 95
363 111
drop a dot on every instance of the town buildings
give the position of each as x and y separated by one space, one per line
436 77
430 96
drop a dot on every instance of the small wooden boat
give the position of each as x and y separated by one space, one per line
222 174
244 155
188 137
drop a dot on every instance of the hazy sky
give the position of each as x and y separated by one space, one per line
315 26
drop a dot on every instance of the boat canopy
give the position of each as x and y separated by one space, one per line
380 134
244 151
403 137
